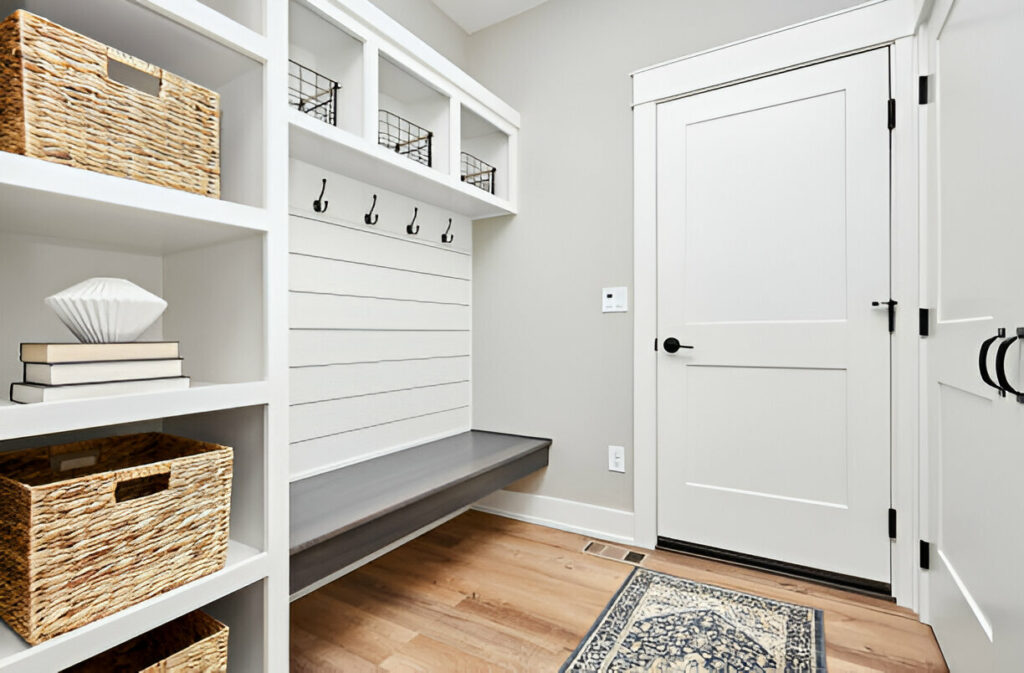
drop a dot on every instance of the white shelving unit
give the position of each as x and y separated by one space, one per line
221 264
394 68
245 567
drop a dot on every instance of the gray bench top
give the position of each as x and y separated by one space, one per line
329 504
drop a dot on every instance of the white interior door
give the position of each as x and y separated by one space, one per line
773 241
974 234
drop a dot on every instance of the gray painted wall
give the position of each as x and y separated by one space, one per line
546 361
431 25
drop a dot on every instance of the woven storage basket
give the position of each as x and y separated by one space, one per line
195 643
90 528
58 103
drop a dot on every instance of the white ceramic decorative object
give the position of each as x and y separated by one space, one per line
106 310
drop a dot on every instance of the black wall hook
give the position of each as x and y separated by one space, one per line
367 217
319 205
413 228
448 236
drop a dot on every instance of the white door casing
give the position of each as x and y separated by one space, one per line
975 437
773 240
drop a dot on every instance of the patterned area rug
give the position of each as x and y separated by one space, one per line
664 624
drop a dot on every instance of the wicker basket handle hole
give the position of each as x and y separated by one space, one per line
133 77
66 462
140 487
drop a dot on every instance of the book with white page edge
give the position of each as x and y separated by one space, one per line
30 393
55 353
100 372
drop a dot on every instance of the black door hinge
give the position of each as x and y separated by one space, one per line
890 306
924 322
892 524
926 555
655 343
922 89
892 113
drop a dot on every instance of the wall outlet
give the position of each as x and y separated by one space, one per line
617 458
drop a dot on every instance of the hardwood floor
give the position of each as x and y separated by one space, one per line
485 593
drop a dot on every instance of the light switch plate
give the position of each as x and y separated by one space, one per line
617 458
614 300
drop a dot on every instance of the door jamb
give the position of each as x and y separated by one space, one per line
880 23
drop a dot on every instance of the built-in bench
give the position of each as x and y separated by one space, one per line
343 516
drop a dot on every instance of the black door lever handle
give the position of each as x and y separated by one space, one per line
1004 382
672 345
890 306
983 361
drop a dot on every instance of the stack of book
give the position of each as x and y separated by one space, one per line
74 371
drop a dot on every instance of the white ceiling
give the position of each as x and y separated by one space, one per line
474 15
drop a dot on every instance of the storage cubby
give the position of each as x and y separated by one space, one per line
161 41
325 70
242 429
249 13
234 595
245 614
214 295
413 119
483 161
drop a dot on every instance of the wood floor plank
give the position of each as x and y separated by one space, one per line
313 654
486 593
426 655
357 631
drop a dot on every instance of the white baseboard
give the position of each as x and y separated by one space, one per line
604 523
374 556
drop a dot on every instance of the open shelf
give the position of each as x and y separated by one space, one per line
167 39
405 101
215 306
245 566
247 13
237 24
318 45
483 141
245 614
345 153
47 199
26 420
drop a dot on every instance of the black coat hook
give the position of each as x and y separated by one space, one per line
367 217
319 205
448 236
413 228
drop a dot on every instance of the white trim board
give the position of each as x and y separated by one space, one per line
604 523
872 24
889 22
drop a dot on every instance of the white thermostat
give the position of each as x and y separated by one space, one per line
614 300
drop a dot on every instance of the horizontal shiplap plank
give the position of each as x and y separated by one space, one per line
319 455
320 419
313 384
317 347
316 274
326 311
320 239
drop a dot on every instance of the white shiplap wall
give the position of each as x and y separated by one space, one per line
380 347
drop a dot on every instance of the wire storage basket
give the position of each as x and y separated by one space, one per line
478 172
313 93
404 137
